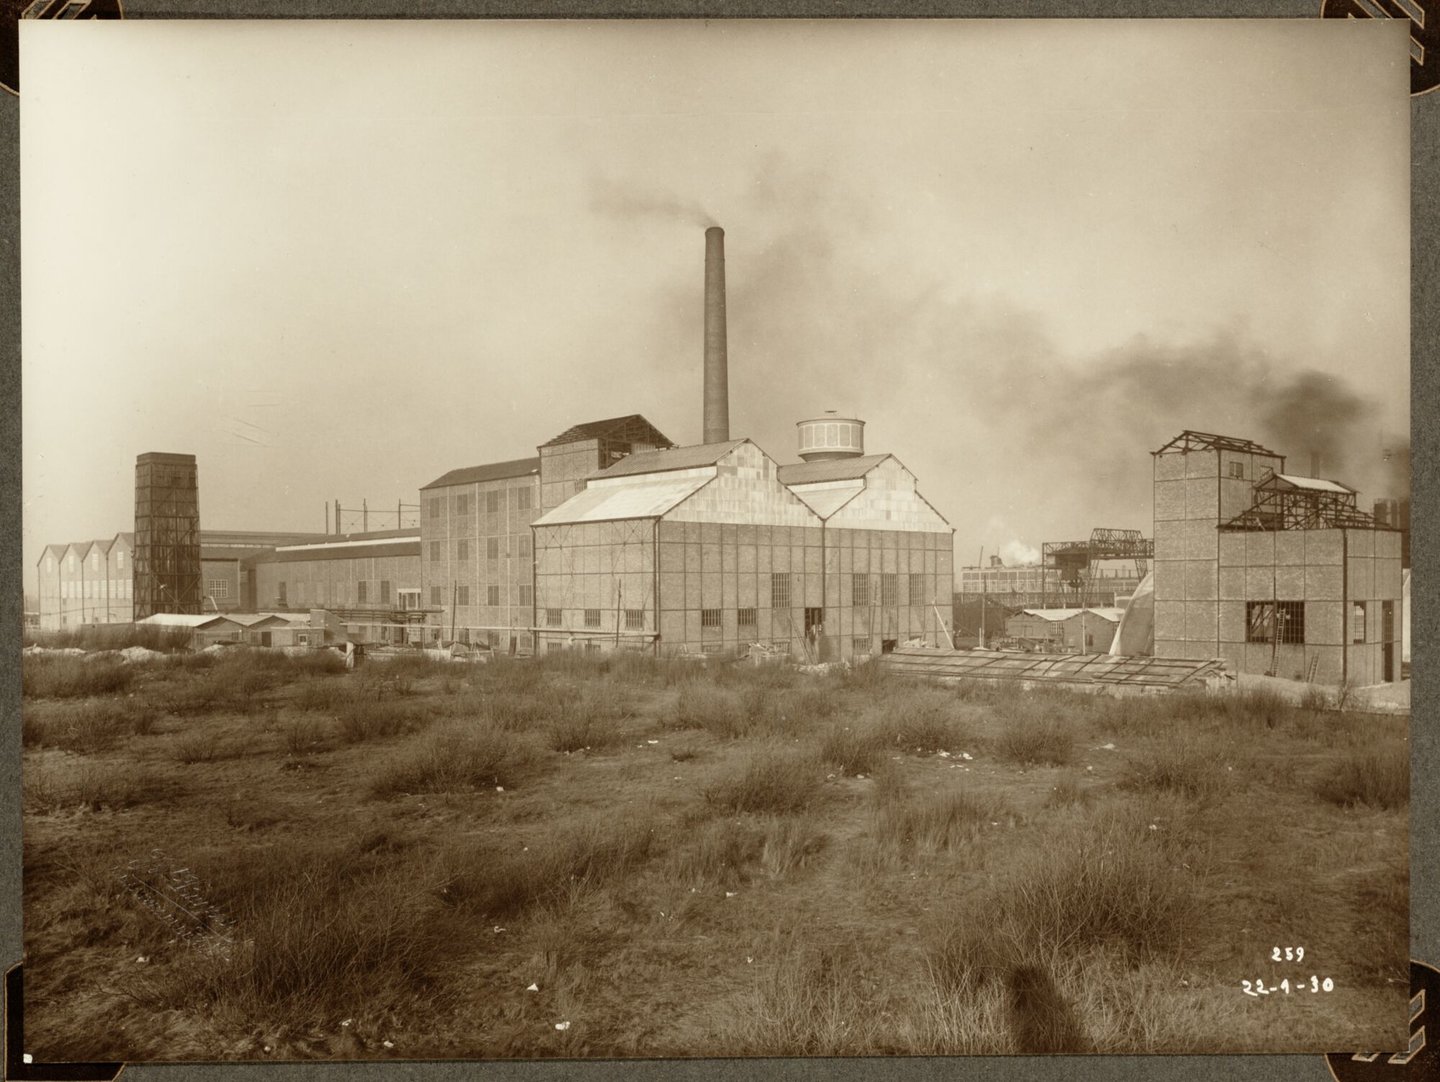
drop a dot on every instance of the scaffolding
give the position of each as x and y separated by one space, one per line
1301 503
364 518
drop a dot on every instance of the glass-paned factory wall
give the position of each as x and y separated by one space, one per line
85 584
220 584
756 582
477 562
595 583
1195 491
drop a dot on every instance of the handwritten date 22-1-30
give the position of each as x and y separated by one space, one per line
1314 984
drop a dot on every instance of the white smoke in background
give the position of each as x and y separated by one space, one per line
1019 554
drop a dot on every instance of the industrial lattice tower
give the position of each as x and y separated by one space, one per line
167 534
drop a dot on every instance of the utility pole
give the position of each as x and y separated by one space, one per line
984 596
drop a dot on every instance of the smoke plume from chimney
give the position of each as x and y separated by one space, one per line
717 379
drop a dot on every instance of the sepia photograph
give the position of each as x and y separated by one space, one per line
674 539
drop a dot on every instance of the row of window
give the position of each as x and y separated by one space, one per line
466 504
363 594
1284 621
95 588
521 548
493 595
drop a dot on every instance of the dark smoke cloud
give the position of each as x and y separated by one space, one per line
632 201
996 419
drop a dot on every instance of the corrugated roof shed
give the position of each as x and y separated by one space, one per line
676 458
838 469
492 471
1314 484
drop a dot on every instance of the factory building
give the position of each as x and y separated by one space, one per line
92 582
610 535
1274 572
369 582
709 548
478 568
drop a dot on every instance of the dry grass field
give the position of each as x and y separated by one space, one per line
614 856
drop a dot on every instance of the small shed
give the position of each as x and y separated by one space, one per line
1085 631
206 629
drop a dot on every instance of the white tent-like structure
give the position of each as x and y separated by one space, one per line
1135 635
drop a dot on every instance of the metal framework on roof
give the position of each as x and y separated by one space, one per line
1190 440
632 428
1283 505
1072 560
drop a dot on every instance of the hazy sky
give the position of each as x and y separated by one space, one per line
339 259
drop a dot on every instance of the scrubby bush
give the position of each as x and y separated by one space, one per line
457 757
855 749
1378 777
85 727
1034 736
1181 764
73 676
717 710
773 779
486 878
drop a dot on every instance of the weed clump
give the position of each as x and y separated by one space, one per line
855 750
86 727
456 758
1182 765
486 878
772 780
1035 736
1377 777
73 676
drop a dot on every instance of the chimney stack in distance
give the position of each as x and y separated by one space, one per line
717 379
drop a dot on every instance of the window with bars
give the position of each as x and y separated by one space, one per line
779 589
917 590
384 591
527 594
860 646
361 589
1237 469
860 588
710 618
552 617
888 594
462 503
218 588
746 618
492 502
434 596
523 544
1357 622
492 548
462 595
1275 621
592 617
522 499
436 506
462 550
492 596
634 619
436 552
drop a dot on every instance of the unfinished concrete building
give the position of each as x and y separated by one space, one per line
1273 572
